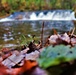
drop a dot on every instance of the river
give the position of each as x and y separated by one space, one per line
11 28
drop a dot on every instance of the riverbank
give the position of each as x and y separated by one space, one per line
7 6
4 15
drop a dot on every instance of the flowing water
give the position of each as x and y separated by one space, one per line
41 15
30 23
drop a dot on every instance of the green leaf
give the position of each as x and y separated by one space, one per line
52 56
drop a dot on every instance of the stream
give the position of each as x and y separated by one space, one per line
30 23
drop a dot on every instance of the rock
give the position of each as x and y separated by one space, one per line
32 56
13 60
19 17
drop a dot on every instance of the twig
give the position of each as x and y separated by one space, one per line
55 32
42 35
73 31
74 35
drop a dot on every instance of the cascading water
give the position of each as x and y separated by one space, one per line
41 15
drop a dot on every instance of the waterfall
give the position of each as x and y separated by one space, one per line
41 15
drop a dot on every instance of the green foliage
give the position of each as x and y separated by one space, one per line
13 4
64 4
52 56
25 40
25 5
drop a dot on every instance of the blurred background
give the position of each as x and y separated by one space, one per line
9 6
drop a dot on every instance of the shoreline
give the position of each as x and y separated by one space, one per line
4 16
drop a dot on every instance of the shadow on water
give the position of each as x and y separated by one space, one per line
10 32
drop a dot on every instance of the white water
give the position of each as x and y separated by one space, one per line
50 15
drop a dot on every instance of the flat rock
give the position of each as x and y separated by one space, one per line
13 60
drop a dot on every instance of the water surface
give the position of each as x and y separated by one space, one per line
10 32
